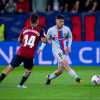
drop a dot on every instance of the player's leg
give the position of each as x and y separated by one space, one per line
14 63
55 74
28 64
24 78
70 70
57 54
5 72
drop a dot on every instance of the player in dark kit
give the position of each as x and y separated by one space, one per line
29 39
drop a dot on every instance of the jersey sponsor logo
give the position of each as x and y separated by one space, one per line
32 31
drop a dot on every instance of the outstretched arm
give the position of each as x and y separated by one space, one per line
43 44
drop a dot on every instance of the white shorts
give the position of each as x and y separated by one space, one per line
59 55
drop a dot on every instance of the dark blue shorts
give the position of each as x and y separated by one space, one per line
17 60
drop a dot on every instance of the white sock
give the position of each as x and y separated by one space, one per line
52 76
72 73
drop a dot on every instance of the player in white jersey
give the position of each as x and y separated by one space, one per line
61 38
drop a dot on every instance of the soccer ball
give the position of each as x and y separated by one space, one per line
95 80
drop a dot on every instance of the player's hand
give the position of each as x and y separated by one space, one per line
39 51
67 50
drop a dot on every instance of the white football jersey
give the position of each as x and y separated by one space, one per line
60 37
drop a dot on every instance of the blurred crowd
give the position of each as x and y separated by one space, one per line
74 6
25 6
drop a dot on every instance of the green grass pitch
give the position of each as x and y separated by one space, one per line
62 88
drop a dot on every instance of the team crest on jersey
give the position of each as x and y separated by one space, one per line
65 35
